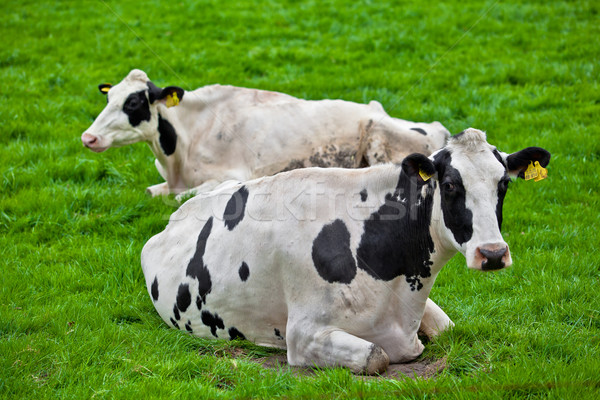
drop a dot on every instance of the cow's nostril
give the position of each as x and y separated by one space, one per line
493 259
88 139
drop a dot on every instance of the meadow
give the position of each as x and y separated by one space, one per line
76 320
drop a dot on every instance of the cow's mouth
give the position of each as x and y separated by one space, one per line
96 149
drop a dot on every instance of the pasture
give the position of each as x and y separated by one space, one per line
76 320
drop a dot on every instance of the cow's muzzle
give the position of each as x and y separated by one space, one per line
92 142
493 256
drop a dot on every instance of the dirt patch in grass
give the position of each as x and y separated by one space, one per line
426 368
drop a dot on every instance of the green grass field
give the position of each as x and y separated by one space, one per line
75 318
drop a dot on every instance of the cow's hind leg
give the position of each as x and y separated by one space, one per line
335 348
434 320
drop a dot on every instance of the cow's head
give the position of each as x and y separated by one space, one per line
131 113
473 178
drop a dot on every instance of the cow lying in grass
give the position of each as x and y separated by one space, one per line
336 265
219 133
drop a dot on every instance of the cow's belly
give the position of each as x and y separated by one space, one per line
236 296
230 312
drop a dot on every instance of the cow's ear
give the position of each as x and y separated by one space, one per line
171 95
418 166
104 88
518 162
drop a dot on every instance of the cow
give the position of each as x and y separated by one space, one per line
219 133
335 265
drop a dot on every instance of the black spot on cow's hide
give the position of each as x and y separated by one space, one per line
421 131
213 321
457 217
196 268
175 324
235 208
137 108
278 334
235 334
188 327
244 272
364 195
166 136
176 312
396 239
184 297
331 253
154 289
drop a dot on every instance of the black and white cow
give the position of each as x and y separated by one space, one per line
336 265
218 133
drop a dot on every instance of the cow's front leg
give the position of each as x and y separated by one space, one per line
161 170
434 320
158 190
335 348
206 187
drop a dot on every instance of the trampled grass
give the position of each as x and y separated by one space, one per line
75 318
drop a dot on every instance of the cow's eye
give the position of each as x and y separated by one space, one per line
132 103
449 187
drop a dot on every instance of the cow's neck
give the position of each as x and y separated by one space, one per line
168 146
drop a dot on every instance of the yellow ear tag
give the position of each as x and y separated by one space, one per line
535 172
531 172
172 100
105 89
542 172
425 175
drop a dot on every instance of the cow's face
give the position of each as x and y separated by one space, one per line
130 115
473 178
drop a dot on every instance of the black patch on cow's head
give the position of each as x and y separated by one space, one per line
364 195
502 189
167 136
396 239
421 131
174 323
331 253
154 289
498 157
188 327
213 321
278 334
457 217
176 312
235 208
196 268
184 297
235 334
244 272
137 108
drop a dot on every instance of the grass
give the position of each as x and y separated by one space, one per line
75 318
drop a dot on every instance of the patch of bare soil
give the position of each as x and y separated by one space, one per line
427 368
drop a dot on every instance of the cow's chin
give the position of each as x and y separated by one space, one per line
98 149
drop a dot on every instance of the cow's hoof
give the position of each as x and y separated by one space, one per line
377 361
